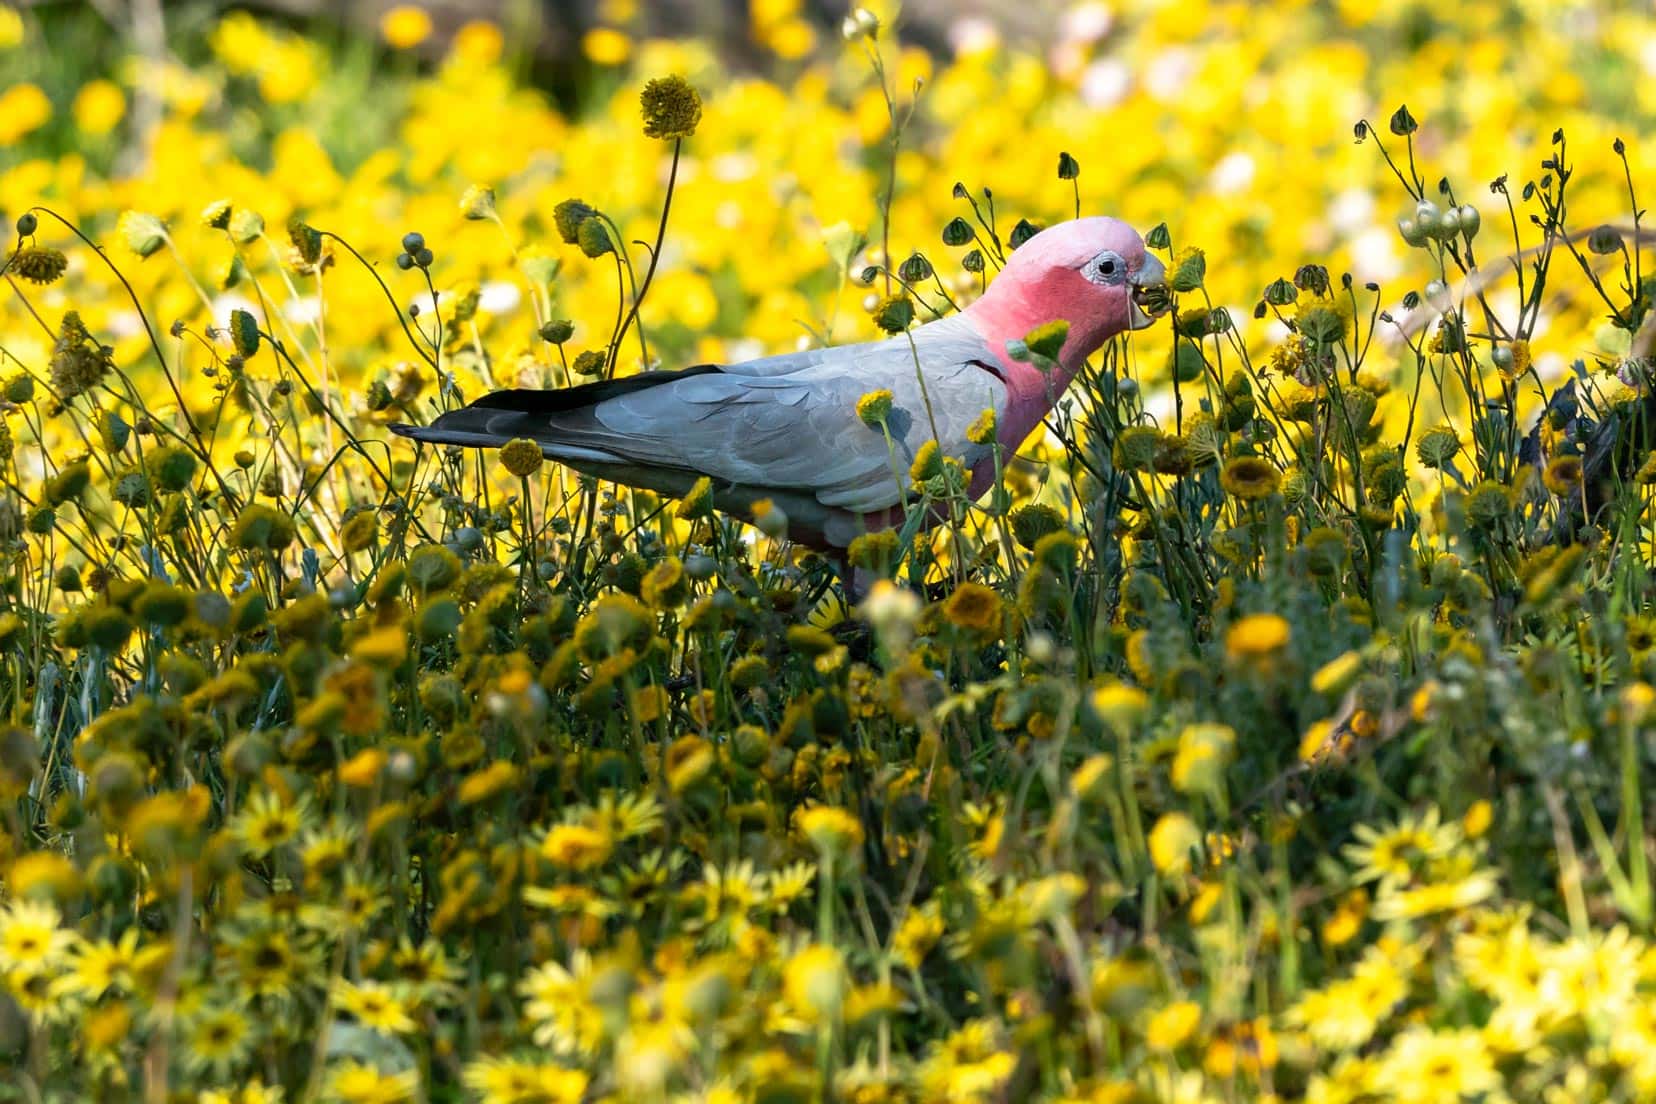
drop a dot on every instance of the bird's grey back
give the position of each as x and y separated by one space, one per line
790 421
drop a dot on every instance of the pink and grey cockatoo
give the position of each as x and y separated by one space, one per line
785 428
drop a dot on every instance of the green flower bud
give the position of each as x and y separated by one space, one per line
568 217
244 333
594 238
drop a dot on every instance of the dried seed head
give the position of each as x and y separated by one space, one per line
522 457
672 109
39 265
894 314
78 362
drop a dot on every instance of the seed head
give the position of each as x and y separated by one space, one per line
522 457
78 362
1437 446
672 108
1563 475
894 314
1250 477
307 242
39 265
244 333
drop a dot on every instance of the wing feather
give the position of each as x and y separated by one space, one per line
790 422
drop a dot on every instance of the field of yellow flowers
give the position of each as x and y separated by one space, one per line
1277 728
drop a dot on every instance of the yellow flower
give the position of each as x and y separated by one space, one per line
928 462
1395 853
1171 842
874 407
831 830
1479 816
1344 1014
983 428
1335 675
1171 1027
1563 475
1199 764
606 46
31 937
496 778
98 107
1423 1066
815 982
218 1037
23 108
267 823
1250 478
699 502
1347 920
374 1005
11 27
498 1080
577 846
405 26
559 1002
44 875
975 608
99 966
1257 636
919 932
1205 900
358 1083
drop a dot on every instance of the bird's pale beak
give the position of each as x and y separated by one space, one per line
1149 295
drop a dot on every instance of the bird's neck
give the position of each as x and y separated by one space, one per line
1008 313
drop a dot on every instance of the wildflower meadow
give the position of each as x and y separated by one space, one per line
1274 727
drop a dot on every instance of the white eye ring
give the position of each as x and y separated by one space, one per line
1107 269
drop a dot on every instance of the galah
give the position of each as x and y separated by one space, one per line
786 428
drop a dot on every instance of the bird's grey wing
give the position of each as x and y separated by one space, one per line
797 428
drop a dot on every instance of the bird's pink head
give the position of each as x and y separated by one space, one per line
1084 272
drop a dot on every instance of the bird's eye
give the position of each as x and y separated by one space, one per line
1107 268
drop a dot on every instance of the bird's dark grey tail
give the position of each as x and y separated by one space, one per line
467 426
498 417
